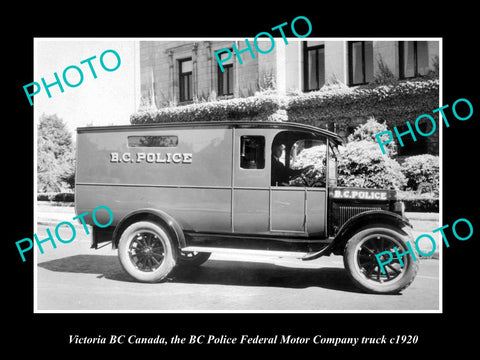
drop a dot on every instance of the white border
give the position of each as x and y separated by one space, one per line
35 122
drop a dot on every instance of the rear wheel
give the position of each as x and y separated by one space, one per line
192 258
365 271
146 252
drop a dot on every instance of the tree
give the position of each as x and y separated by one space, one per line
55 155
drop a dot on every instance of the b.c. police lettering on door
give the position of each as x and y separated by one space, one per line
150 157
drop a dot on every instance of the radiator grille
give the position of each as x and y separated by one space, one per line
346 212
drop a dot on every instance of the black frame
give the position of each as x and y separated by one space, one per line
306 74
185 96
228 72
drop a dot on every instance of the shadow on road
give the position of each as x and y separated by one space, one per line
103 265
214 272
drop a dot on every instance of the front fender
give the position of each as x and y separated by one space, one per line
367 218
150 214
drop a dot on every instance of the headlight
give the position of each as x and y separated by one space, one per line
399 207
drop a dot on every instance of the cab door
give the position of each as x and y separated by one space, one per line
299 207
288 212
261 207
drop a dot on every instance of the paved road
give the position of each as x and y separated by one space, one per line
74 277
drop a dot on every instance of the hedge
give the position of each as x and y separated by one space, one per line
396 102
430 204
258 107
59 197
419 202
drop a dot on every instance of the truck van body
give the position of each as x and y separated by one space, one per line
243 187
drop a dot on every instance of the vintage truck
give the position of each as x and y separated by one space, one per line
181 191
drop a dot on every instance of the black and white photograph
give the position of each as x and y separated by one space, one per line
262 175
300 181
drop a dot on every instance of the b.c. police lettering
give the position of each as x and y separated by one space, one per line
162 158
360 194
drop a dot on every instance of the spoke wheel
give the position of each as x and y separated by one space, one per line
367 262
363 268
146 251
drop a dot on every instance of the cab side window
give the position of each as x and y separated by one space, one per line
252 152
309 154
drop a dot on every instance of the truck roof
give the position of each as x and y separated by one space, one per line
216 124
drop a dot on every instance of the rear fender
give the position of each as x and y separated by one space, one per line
155 215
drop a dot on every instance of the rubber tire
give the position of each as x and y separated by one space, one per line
196 260
170 256
410 268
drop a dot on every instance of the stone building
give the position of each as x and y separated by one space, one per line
174 73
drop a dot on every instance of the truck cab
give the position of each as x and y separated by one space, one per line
181 191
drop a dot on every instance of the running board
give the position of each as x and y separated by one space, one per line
305 256
273 253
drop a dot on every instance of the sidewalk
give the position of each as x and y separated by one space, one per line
50 214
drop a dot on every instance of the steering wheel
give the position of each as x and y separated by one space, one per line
306 181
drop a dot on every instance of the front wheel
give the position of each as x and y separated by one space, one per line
362 265
146 252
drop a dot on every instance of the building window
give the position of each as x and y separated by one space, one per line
413 58
225 78
360 62
185 67
252 152
313 65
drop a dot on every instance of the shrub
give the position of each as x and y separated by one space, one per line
421 205
422 173
418 202
361 164
384 74
368 130
60 197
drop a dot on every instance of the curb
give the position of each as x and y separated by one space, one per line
51 222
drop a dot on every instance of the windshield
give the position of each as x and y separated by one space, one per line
300 159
